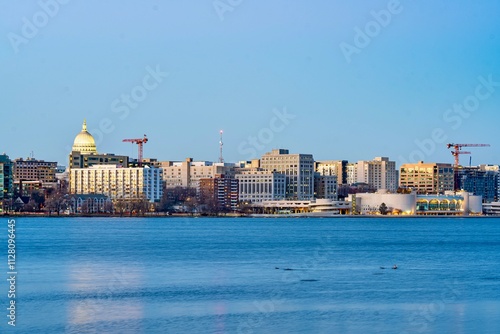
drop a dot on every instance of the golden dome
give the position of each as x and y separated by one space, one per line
84 142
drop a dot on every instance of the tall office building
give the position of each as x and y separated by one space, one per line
427 178
298 169
256 185
478 181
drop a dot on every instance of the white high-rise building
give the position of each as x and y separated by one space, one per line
379 173
298 169
352 173
118 182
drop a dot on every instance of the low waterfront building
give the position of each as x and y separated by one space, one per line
89 204
450 203
369 203
458 203
491 209
314 208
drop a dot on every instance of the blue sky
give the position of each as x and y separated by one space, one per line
241 66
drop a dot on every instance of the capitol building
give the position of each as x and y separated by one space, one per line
84 142
109 174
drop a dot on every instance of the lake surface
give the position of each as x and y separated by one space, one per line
188 275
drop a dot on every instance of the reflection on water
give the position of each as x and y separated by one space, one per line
97 288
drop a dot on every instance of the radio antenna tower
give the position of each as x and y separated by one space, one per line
221 159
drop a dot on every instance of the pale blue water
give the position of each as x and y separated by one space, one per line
205 275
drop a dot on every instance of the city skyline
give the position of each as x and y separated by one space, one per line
333 80
132 157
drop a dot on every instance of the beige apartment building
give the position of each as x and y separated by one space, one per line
118 182
34 170
188 173
427 178
332 167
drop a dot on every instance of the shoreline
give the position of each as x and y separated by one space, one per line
244 216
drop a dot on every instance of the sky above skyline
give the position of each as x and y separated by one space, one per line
336 79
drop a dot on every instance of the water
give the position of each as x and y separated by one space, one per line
175 275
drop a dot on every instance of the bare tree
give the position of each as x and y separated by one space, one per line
56 202
120 206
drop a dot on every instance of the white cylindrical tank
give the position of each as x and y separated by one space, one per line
475 204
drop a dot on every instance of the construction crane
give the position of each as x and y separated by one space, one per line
457 150
139 142
455 153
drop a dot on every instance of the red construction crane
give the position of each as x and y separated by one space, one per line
457 150
139 142
455 153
